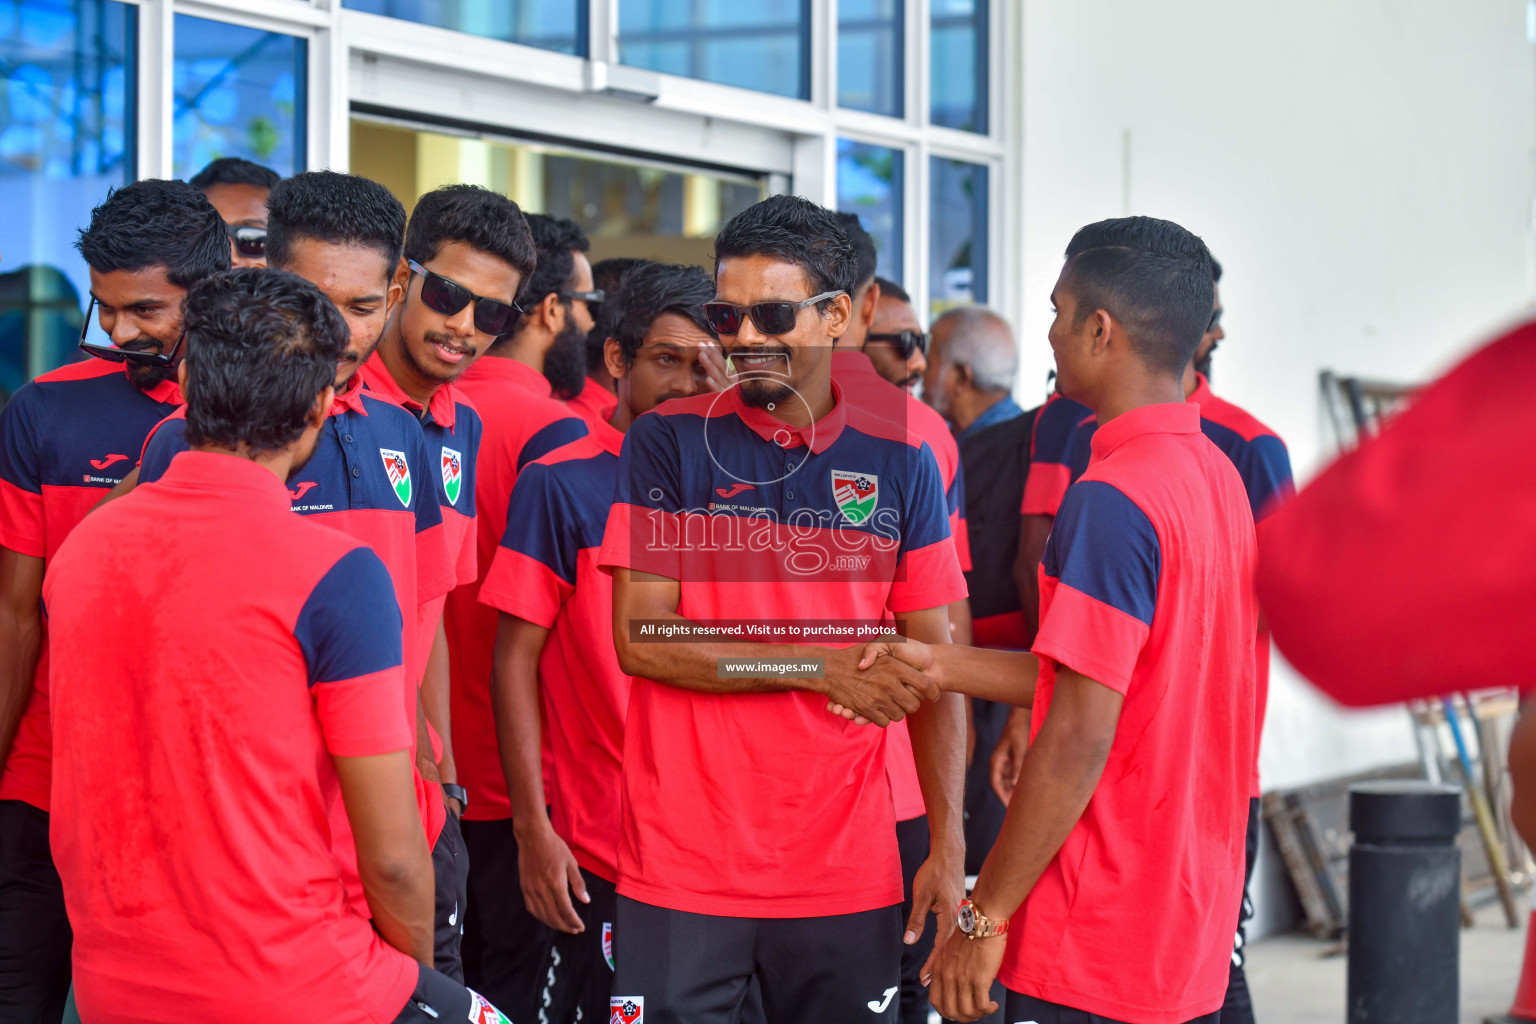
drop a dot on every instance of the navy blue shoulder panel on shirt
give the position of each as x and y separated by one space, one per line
20 451
74 431
558 509
168 442
350 626
1055 427
1262 462
551 436
1102 544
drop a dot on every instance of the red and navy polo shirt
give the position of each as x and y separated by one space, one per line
521 423
727 797
373 478
1146 587
1265 466
69 437
275 647
866 389
595 404
546 572
1058 451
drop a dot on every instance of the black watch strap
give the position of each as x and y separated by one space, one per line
458 793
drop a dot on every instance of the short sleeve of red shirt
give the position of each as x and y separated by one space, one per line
349 630
1101 568
534 571
646 503
21 486
928 574
1052 449
955 499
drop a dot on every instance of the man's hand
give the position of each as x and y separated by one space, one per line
1008 755
937 888
549 874
885 691
908 652
960 985
717 376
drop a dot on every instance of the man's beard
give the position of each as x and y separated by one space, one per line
1203 364
761 392
565 364
146 377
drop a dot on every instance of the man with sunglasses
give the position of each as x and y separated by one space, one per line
864 366
504 945
373 476
555 660
758 840
66 439
238 189
598 394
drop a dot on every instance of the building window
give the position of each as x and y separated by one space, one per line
66 137
239 92
871 56
762 45
957 234
559 25
869 183
958 70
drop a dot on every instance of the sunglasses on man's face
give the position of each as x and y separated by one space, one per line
593 297
445 296
768 317
904 342
1215 320
249 241
113 354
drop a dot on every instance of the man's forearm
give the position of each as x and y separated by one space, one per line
515 707
435 702
938 746
21 641
694 666
1007 677
424 762
402 908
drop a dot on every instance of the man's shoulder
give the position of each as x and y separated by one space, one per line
874 428
1228 416
89 381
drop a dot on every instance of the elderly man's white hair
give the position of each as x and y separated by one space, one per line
982 340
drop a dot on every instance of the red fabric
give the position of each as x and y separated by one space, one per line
514 403
218 895
1404 569
1133 918
595 404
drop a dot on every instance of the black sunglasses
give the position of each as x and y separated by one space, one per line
904 342
113 354
595 295
1215 319
492 316
769 317
249 241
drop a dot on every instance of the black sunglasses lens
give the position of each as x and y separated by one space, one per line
774 317
724 318
494 318
251 242
442 295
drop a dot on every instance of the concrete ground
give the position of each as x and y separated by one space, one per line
1295 981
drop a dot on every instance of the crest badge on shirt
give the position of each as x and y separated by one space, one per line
856 494
482 1012
626 1010
453 474
608 943
399 474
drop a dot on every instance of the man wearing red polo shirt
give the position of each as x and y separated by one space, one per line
1121 856
757 839
504 945
275 670
555 658
65 440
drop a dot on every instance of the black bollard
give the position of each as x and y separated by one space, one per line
1404 903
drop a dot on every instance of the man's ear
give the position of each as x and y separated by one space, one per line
840 314
964 376
322 407
871 301
551 312
1103 327
181 376
401 279
613 359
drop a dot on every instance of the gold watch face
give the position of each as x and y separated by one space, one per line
967 918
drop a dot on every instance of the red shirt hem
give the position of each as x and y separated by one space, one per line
835 904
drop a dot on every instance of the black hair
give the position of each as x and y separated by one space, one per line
554 239
231 170
791 229
608 275
261 346
340 209
654 289
1215 270
864 257
1153 276
156 223
476 216
894 290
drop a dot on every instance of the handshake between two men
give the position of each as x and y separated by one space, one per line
891 678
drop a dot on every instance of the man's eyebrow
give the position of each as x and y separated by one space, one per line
360 300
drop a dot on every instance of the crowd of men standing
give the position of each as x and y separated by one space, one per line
374 600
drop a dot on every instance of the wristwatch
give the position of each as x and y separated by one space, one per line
459 793
974 925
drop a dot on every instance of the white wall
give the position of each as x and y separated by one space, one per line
1362 168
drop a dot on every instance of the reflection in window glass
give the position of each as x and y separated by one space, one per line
871 56
627 208
958 70
957 230
66 137
239 92
559 25
869 184
762 44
